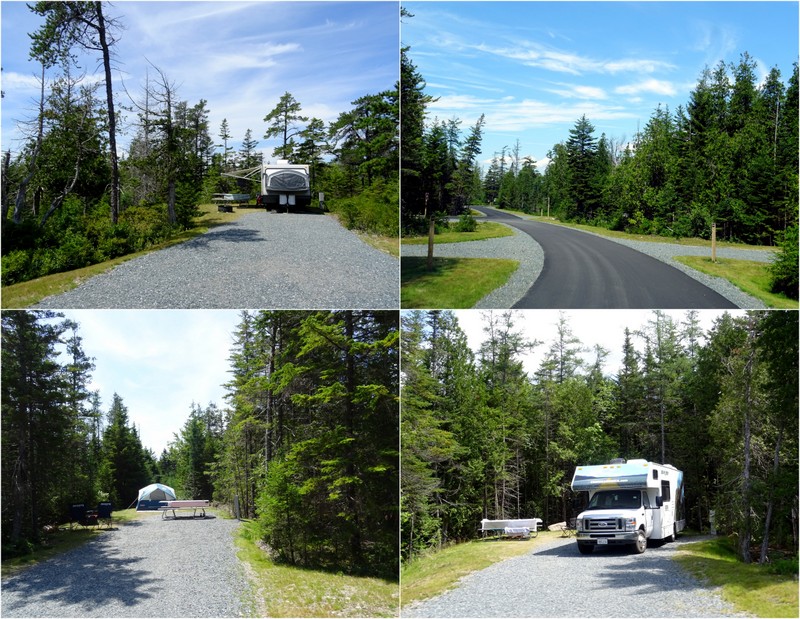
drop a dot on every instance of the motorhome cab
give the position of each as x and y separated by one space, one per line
629 503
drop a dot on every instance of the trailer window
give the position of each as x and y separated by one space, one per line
655 473
665 492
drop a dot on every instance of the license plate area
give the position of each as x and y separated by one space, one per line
602 541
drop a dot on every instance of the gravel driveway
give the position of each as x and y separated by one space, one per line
261 260
555 581
146 568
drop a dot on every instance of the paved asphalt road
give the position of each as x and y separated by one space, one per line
584 271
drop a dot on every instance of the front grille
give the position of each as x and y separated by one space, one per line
600 525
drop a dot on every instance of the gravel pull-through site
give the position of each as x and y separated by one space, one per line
554 580
275 260
147 568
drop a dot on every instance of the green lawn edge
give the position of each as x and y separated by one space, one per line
748 276
288 591
454 283
750 588
485 230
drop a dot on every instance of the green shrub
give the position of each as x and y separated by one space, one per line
466 223
373 210
15 265
75 252
784 567
784 267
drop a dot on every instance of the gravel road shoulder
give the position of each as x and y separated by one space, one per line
146 568
261 260
554 580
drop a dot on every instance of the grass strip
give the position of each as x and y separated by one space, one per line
486 230
436 572
455 283
287 591
754 278
751 588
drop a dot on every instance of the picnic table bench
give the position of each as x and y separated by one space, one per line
185 505
516 527
225 201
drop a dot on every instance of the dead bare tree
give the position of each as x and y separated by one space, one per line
22 190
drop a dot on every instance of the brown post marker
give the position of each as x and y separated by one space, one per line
431 230
713 242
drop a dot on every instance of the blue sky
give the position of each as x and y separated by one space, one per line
534 68
240 57
159 362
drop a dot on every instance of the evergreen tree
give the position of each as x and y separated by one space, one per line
36 424
413 102
581 151
124 469
225 135
282 123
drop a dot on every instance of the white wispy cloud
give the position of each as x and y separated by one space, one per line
578 91
560 61
510 115
658 87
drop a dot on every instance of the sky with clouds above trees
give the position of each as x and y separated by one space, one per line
534 68
239 56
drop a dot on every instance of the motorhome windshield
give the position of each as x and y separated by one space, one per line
616 499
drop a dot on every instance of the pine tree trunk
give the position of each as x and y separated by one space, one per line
768 517
112 118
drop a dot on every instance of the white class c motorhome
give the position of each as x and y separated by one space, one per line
629 503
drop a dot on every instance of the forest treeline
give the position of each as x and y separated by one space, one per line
307 445
71 197
59 445
483 438
729 157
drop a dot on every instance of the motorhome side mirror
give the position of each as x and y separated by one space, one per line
659 502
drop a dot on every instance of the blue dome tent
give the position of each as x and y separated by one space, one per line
151 496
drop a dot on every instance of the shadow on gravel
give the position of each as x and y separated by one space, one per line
92 576
225 235
621 568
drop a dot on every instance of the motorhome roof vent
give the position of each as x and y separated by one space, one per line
617 461
639 461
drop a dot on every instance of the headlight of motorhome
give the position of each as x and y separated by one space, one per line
630 524
579 524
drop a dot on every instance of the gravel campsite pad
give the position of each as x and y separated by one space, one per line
275 260
146 568
554 580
